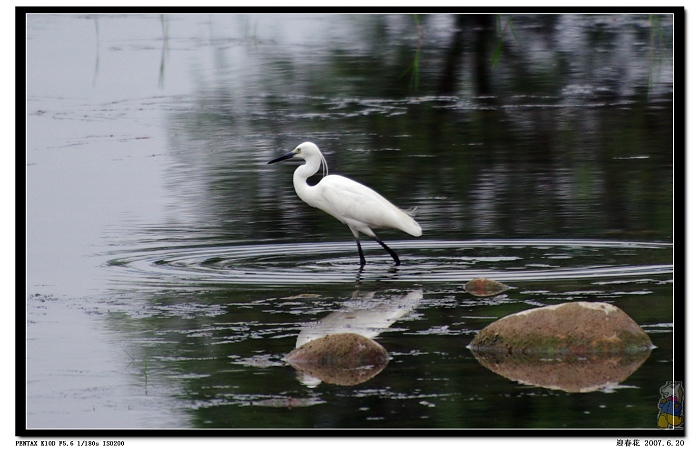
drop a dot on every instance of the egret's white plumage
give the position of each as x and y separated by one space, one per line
359 207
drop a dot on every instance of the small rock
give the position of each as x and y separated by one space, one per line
345 359
484 287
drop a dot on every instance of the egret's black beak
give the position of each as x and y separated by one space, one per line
282 158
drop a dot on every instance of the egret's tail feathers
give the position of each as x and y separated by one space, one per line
414 229
410 226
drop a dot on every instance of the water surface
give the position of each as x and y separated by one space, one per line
170 269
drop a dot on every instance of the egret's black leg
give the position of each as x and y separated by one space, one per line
391 252
359 250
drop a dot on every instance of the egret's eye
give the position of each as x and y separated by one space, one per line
297 150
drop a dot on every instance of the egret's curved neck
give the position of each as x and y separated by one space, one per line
303 172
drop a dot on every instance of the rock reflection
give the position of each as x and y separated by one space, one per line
570 373
339 349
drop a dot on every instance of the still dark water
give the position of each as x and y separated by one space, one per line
170 269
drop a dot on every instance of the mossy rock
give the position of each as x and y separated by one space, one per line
579 328
344 359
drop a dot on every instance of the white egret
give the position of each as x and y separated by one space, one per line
352 203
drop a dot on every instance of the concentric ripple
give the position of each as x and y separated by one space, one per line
422 261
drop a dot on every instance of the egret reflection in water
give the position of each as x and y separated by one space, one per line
363 315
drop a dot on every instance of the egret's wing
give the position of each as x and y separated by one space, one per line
361 207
